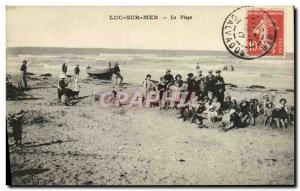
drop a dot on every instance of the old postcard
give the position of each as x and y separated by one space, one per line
150 96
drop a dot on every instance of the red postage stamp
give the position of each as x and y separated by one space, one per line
265 32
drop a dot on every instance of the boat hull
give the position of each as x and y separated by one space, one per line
104 74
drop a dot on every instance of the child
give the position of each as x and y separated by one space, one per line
16 121
161 87
282 114
268 112
254 110
76 88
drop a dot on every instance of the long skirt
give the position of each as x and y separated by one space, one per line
22 84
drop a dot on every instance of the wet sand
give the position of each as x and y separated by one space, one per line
87 144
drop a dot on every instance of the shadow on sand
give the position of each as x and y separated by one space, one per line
49 143
30 171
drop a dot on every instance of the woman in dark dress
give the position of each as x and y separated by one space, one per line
281 114
22 84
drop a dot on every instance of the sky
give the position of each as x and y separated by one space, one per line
90 27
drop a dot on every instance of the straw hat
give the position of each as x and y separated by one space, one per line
168 70
62 76
19 113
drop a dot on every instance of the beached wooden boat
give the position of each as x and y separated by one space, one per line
104 73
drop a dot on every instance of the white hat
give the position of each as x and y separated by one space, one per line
232 111
62 76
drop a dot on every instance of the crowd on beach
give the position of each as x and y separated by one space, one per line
199 99
205 103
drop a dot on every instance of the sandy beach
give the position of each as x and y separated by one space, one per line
87 144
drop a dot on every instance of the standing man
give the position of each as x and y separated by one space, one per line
64 68
116 71
76 71
219 87
200 78
22 84
210 84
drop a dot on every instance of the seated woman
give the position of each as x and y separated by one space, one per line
227 105
198 115
235 105
254 110
213 110
282 115
244 111
234 121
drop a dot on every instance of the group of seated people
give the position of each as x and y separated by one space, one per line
201 100
64 93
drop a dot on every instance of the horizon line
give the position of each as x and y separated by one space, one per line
123 48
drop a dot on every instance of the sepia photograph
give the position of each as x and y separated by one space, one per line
150 96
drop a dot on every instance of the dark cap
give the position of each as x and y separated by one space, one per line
190 74
218 71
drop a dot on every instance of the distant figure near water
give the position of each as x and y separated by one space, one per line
76 71
197 67
64 68
116 71
22 84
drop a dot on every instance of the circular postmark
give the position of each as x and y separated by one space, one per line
249 33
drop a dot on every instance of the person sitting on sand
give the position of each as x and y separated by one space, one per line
213 110
76 88
62 84
268 113
198 116
76 71
117 73
65 100
114 99
64 68
281 114
234 121
16 121
253 110
227 105
235 105
22 83
244 111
